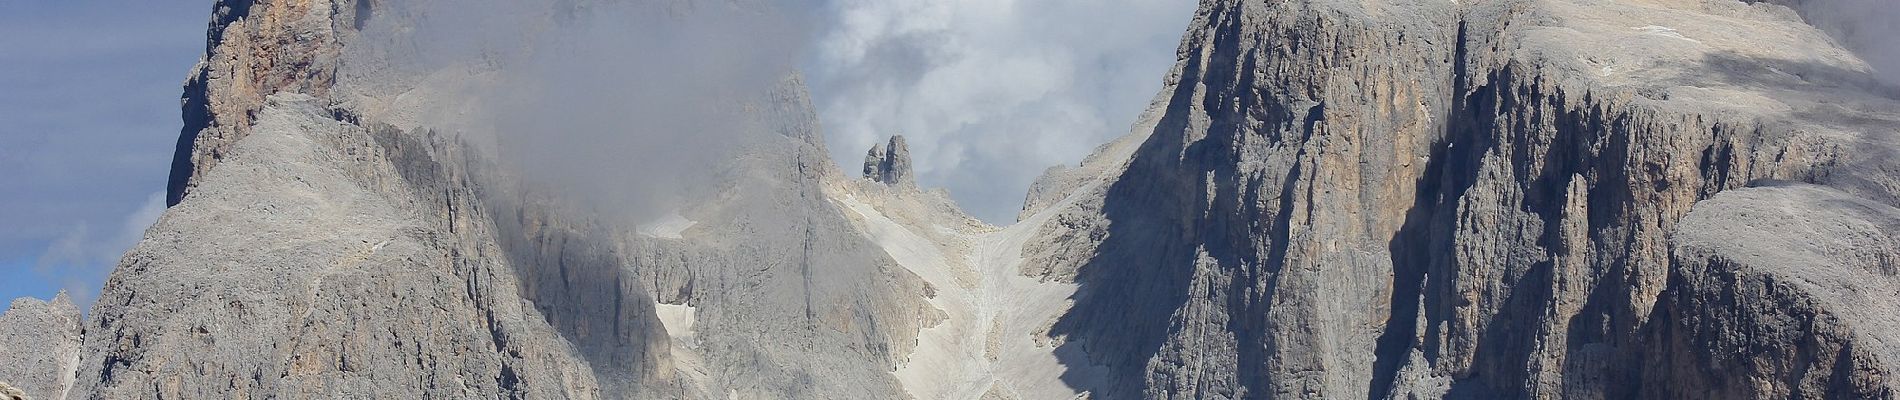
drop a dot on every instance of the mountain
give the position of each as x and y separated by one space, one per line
1328 199
1495 199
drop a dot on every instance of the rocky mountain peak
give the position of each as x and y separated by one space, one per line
889 163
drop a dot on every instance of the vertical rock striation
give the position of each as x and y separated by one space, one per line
1476 199
254 49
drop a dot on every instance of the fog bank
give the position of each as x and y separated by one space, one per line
620 107
1871 28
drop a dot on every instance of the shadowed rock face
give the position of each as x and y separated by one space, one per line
1329 199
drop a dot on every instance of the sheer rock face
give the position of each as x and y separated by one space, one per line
255 49
1455 199
39 347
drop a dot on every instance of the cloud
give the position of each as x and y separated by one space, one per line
627 88
616 105
82 258
1871 28
990 92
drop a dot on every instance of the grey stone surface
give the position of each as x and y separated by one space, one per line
255 49
310 264
39 346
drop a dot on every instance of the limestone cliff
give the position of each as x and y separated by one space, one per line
1468 199
254 49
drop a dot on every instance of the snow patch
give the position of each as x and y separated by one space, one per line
1664 31
678 320
668 226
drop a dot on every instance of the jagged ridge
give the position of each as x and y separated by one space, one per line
1523 198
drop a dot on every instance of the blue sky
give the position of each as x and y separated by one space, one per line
88 115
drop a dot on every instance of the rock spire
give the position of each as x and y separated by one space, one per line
889 163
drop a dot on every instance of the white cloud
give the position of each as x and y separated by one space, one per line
1868 27
81 258
990 92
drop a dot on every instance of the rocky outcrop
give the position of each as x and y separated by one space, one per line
255 49
39 347
1793 288
889 163
313 262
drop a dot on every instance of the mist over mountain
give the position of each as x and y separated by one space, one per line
623 107
688 199
1865 26
991 92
